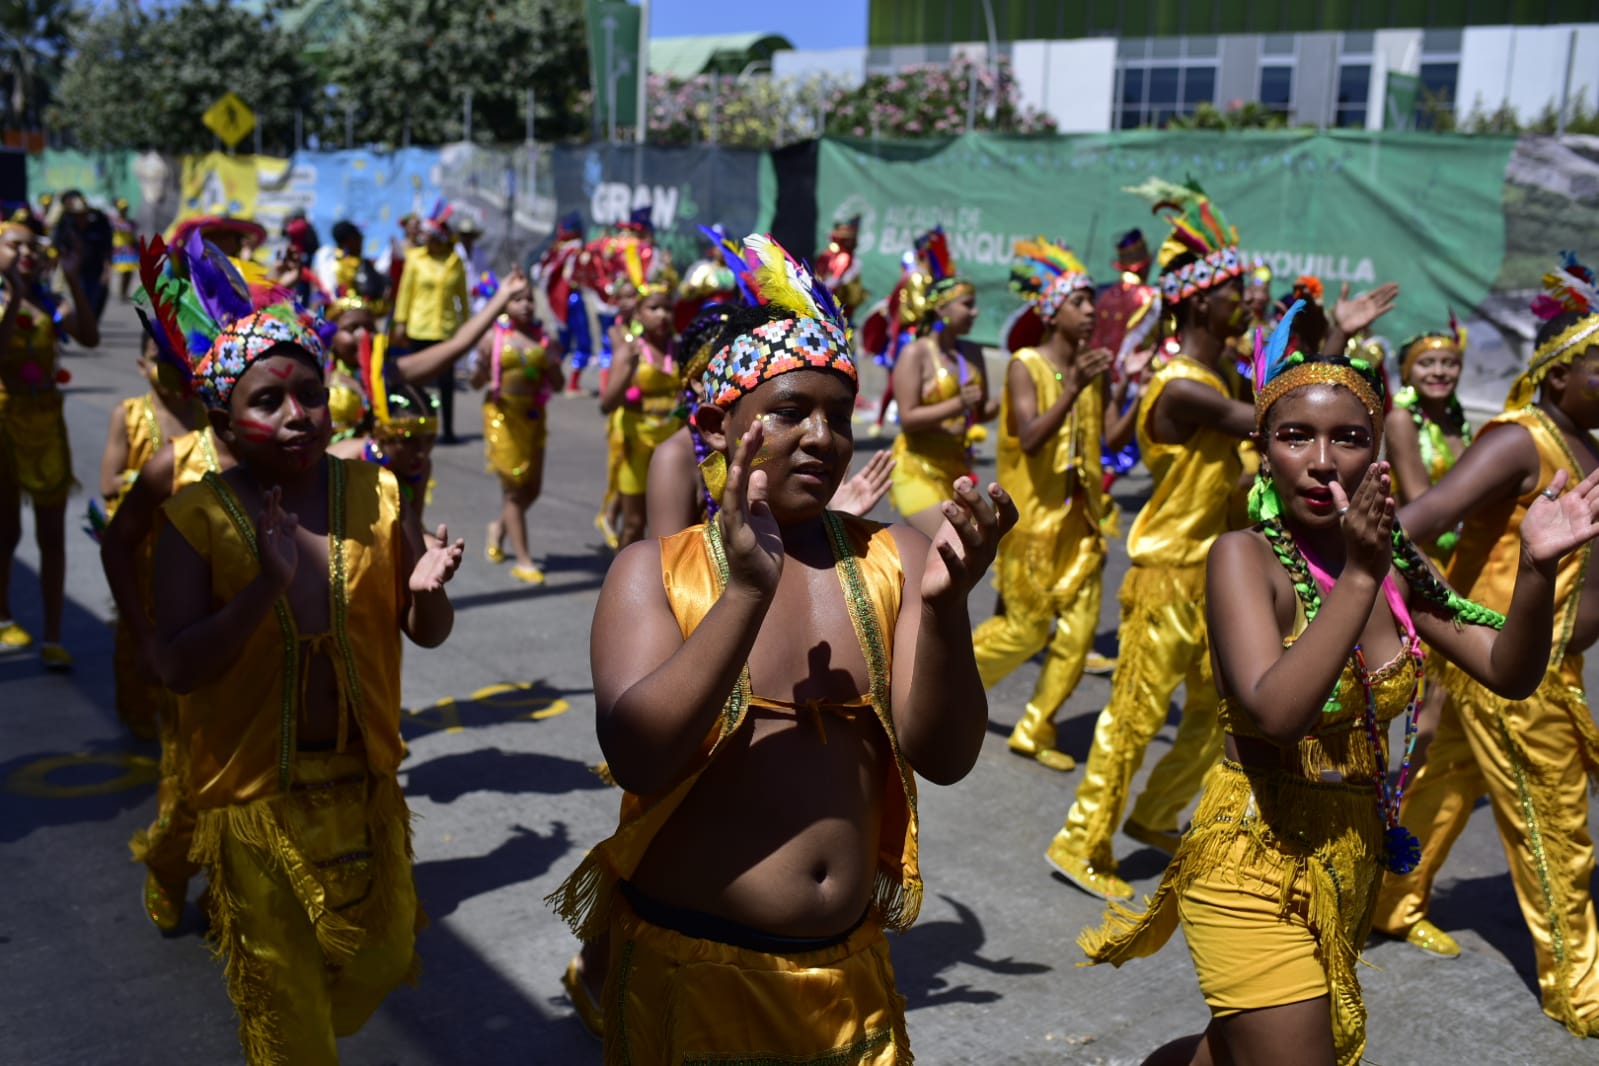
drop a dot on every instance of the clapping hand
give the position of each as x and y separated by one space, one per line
754 544
274 534
1558 521
860 493
965 545
1367 518
438 563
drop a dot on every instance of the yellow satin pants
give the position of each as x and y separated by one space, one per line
313 904
34 453
1006 641
1533 760
163 847
1163 645
671 998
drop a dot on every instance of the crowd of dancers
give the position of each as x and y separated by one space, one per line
773 671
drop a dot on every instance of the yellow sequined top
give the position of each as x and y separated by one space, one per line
28 363
693 569
525 358
193 456
1058 490
946 385
143 429
240 728
1194 480
659 384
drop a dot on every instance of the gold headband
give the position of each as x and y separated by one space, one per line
959 290
1420 347
1303 374
1562 348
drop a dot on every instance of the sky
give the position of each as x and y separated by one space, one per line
809 24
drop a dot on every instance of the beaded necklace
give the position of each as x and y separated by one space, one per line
1401 851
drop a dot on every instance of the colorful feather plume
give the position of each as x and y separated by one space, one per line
1038 262
769 275
1198 225
932 250
1569 287
1269 355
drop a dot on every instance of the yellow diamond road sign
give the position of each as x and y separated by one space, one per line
230 119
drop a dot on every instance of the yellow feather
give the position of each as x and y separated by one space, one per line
773 281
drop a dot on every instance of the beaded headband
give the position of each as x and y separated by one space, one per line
816 337
1201 274
1570 287
946 291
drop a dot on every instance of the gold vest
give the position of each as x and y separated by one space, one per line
1194 480
240 728
694 571
1489 551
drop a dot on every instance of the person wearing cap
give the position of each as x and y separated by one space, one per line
430 306
468 234
87 230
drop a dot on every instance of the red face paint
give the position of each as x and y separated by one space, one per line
252 430
281 373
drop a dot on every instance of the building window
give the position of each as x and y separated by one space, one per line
1354 87
1161 83
1439 81
1277 89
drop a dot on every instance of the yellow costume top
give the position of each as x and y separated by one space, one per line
193 456
1194 480
346 402
646 429
927 462
240 750
514 427
33 432
1058 491
28 364
432 302
694 570
1308 832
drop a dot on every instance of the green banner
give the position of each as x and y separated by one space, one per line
613 63
1420 209
1399 101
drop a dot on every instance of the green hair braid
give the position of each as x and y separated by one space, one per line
1424 583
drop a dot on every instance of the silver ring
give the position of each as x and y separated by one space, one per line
1342 511
1550 494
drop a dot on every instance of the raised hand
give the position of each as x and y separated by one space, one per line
1368 522
965 545
750 534
274 535
514 285
1352 316
860 493
971 395
438 564
1559 521
1137 362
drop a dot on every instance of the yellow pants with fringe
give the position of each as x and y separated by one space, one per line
1534 760
1273 887
1163 645
164 846
676 999
1070 603
313 907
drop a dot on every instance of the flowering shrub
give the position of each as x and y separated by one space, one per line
925 101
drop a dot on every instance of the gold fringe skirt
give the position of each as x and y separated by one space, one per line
1276 878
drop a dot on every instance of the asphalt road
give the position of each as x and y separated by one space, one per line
502 738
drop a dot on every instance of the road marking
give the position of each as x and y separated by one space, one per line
34 778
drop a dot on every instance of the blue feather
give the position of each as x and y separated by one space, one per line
218 286
199 343
1278 345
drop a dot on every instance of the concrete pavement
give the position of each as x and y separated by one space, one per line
501 731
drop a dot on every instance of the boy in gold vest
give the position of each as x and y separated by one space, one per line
786 671
1535 758
286 583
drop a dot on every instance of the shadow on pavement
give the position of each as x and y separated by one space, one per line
447 778
1488 907
92 784
444 884
518 591
495 704
927 949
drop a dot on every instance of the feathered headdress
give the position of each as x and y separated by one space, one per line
1198 228
932 254
212 325
1277 373
813 336
1044 273
437 222
1569 288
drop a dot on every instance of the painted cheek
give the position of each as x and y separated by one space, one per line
251 430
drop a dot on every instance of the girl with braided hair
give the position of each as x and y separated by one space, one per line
1317 614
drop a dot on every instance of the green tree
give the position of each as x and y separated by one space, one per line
35 37
404 72
142 78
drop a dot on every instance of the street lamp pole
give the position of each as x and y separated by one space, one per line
609 22
993 60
